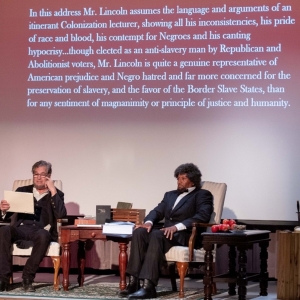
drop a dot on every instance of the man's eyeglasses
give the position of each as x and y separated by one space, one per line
42 175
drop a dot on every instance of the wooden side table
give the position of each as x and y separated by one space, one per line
240 242
73 233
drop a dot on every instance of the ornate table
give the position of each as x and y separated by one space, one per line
74 233
241 242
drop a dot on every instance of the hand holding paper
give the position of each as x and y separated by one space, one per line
19 202
4 206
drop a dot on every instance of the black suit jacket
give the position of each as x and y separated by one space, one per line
55 208
196 206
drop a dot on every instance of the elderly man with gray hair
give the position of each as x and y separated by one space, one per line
40 227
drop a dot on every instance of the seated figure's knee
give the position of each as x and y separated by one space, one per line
42 236
139 232
157 234
5 231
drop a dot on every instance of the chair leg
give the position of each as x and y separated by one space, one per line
173 276
56 266
182 268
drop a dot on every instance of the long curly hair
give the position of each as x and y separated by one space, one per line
192 172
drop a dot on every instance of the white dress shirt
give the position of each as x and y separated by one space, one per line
181 226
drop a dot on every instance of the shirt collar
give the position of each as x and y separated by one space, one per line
37 195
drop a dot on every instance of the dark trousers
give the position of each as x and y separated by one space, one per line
147 253
41 239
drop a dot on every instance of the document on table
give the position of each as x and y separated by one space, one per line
118 228
20 202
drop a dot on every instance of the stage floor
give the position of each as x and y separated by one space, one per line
108 277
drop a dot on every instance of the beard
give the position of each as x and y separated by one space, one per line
181 189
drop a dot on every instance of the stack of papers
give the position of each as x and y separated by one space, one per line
20 202
118 228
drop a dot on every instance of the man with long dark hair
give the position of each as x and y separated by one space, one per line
180 208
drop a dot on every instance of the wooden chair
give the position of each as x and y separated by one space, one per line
54 249
184 256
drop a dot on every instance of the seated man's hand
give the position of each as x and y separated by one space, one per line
4 206
169 231
50 186
147 225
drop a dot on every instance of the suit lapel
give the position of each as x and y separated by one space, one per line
172 200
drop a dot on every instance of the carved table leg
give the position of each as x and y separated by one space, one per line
264 275
81 262
123 260
208 276
241 281
66 265
232 270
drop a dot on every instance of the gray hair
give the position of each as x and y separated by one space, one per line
42 163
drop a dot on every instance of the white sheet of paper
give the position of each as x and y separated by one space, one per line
20 202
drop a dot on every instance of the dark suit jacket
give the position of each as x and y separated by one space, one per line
196 206
55 207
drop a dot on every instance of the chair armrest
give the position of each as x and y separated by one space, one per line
192 243
193 236
62 221
59 224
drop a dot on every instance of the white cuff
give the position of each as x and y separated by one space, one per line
180 226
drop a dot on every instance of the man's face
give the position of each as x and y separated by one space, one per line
40 176
183 182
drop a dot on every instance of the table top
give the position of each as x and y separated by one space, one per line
229 238
236 233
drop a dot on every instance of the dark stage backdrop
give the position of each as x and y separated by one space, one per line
116 94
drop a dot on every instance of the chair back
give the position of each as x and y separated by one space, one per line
218 191
23 182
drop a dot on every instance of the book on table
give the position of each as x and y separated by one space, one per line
124 205
118 228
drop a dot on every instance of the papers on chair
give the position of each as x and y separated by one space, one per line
20 202
118 228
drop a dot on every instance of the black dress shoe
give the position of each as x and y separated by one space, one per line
27 285
132 286
3 286
147 291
